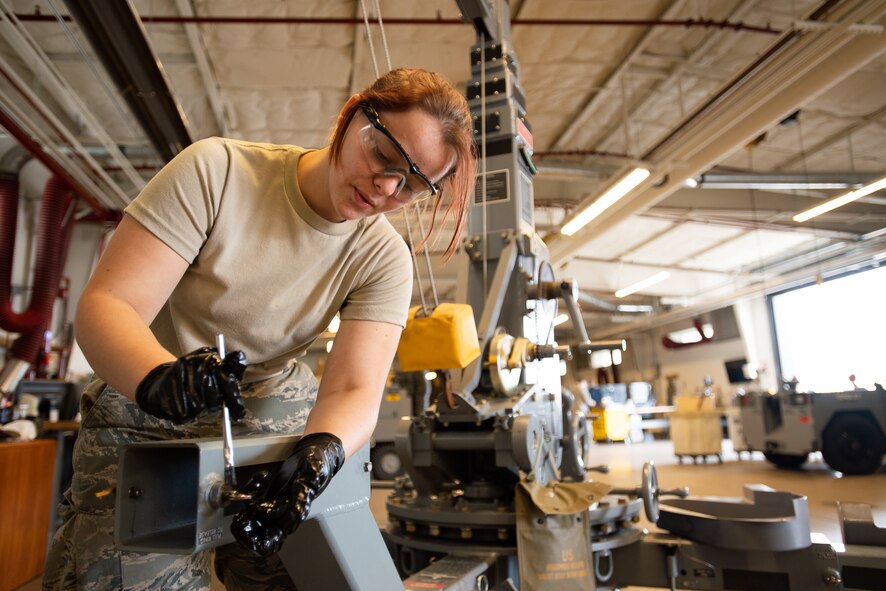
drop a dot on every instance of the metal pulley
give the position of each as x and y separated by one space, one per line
508 355
505 377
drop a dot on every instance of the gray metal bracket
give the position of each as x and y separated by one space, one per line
765 519
163 505
858 527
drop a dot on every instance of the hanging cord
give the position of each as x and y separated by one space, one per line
369 38
384 38
406 210
421 227
483 159
421 290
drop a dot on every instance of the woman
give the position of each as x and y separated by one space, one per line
264 244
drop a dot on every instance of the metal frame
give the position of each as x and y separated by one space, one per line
331 551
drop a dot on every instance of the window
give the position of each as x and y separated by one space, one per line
827 332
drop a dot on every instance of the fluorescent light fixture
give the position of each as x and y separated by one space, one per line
431 376
873 234
657 278
774 185
605 201
841 200
334 324
560 319
681 301
691 182
633 308
328 346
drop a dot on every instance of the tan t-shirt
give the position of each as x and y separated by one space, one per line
266 270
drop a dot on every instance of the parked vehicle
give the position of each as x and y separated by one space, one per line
848 428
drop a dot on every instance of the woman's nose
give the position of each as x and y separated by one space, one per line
386 185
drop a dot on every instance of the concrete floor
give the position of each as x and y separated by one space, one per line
822 486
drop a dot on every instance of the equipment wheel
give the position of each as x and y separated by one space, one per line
787 461
649 491
852 444
386 464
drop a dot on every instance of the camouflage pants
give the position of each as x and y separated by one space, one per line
83 554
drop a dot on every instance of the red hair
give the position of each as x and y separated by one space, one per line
413 88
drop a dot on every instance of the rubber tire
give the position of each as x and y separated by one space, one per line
852 444
786 461
386 464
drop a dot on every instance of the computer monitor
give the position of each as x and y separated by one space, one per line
738 372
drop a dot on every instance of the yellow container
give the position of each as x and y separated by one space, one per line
610 424
445 339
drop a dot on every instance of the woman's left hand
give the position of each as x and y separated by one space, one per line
267 519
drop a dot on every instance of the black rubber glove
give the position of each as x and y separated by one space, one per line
266 521
201 380
262 538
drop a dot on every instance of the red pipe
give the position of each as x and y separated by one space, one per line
545 22
8 226
28 345
54 233
670 343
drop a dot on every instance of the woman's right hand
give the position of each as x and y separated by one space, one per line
201 380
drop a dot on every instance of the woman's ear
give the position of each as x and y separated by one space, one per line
347 108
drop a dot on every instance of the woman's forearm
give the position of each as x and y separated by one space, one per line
350 416
116 341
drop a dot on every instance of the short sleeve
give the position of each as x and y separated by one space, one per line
385 294
180 203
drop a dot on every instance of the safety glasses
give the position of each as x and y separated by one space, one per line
387 157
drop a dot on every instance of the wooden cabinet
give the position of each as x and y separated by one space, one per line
26 471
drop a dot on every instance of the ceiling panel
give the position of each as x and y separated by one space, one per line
680 243
608 277
623 237
751 250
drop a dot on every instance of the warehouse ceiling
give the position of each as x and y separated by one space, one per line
732 97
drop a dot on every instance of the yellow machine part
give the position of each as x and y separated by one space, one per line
610 424
444 339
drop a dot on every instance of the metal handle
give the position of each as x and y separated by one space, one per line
227 436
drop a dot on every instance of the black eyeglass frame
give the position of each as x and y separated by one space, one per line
372 116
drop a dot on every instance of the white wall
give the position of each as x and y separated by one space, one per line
647 360
692 364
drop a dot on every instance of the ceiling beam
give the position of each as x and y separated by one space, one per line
853 255
674 78
710 217
797 68
664 267
567 136
118 38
